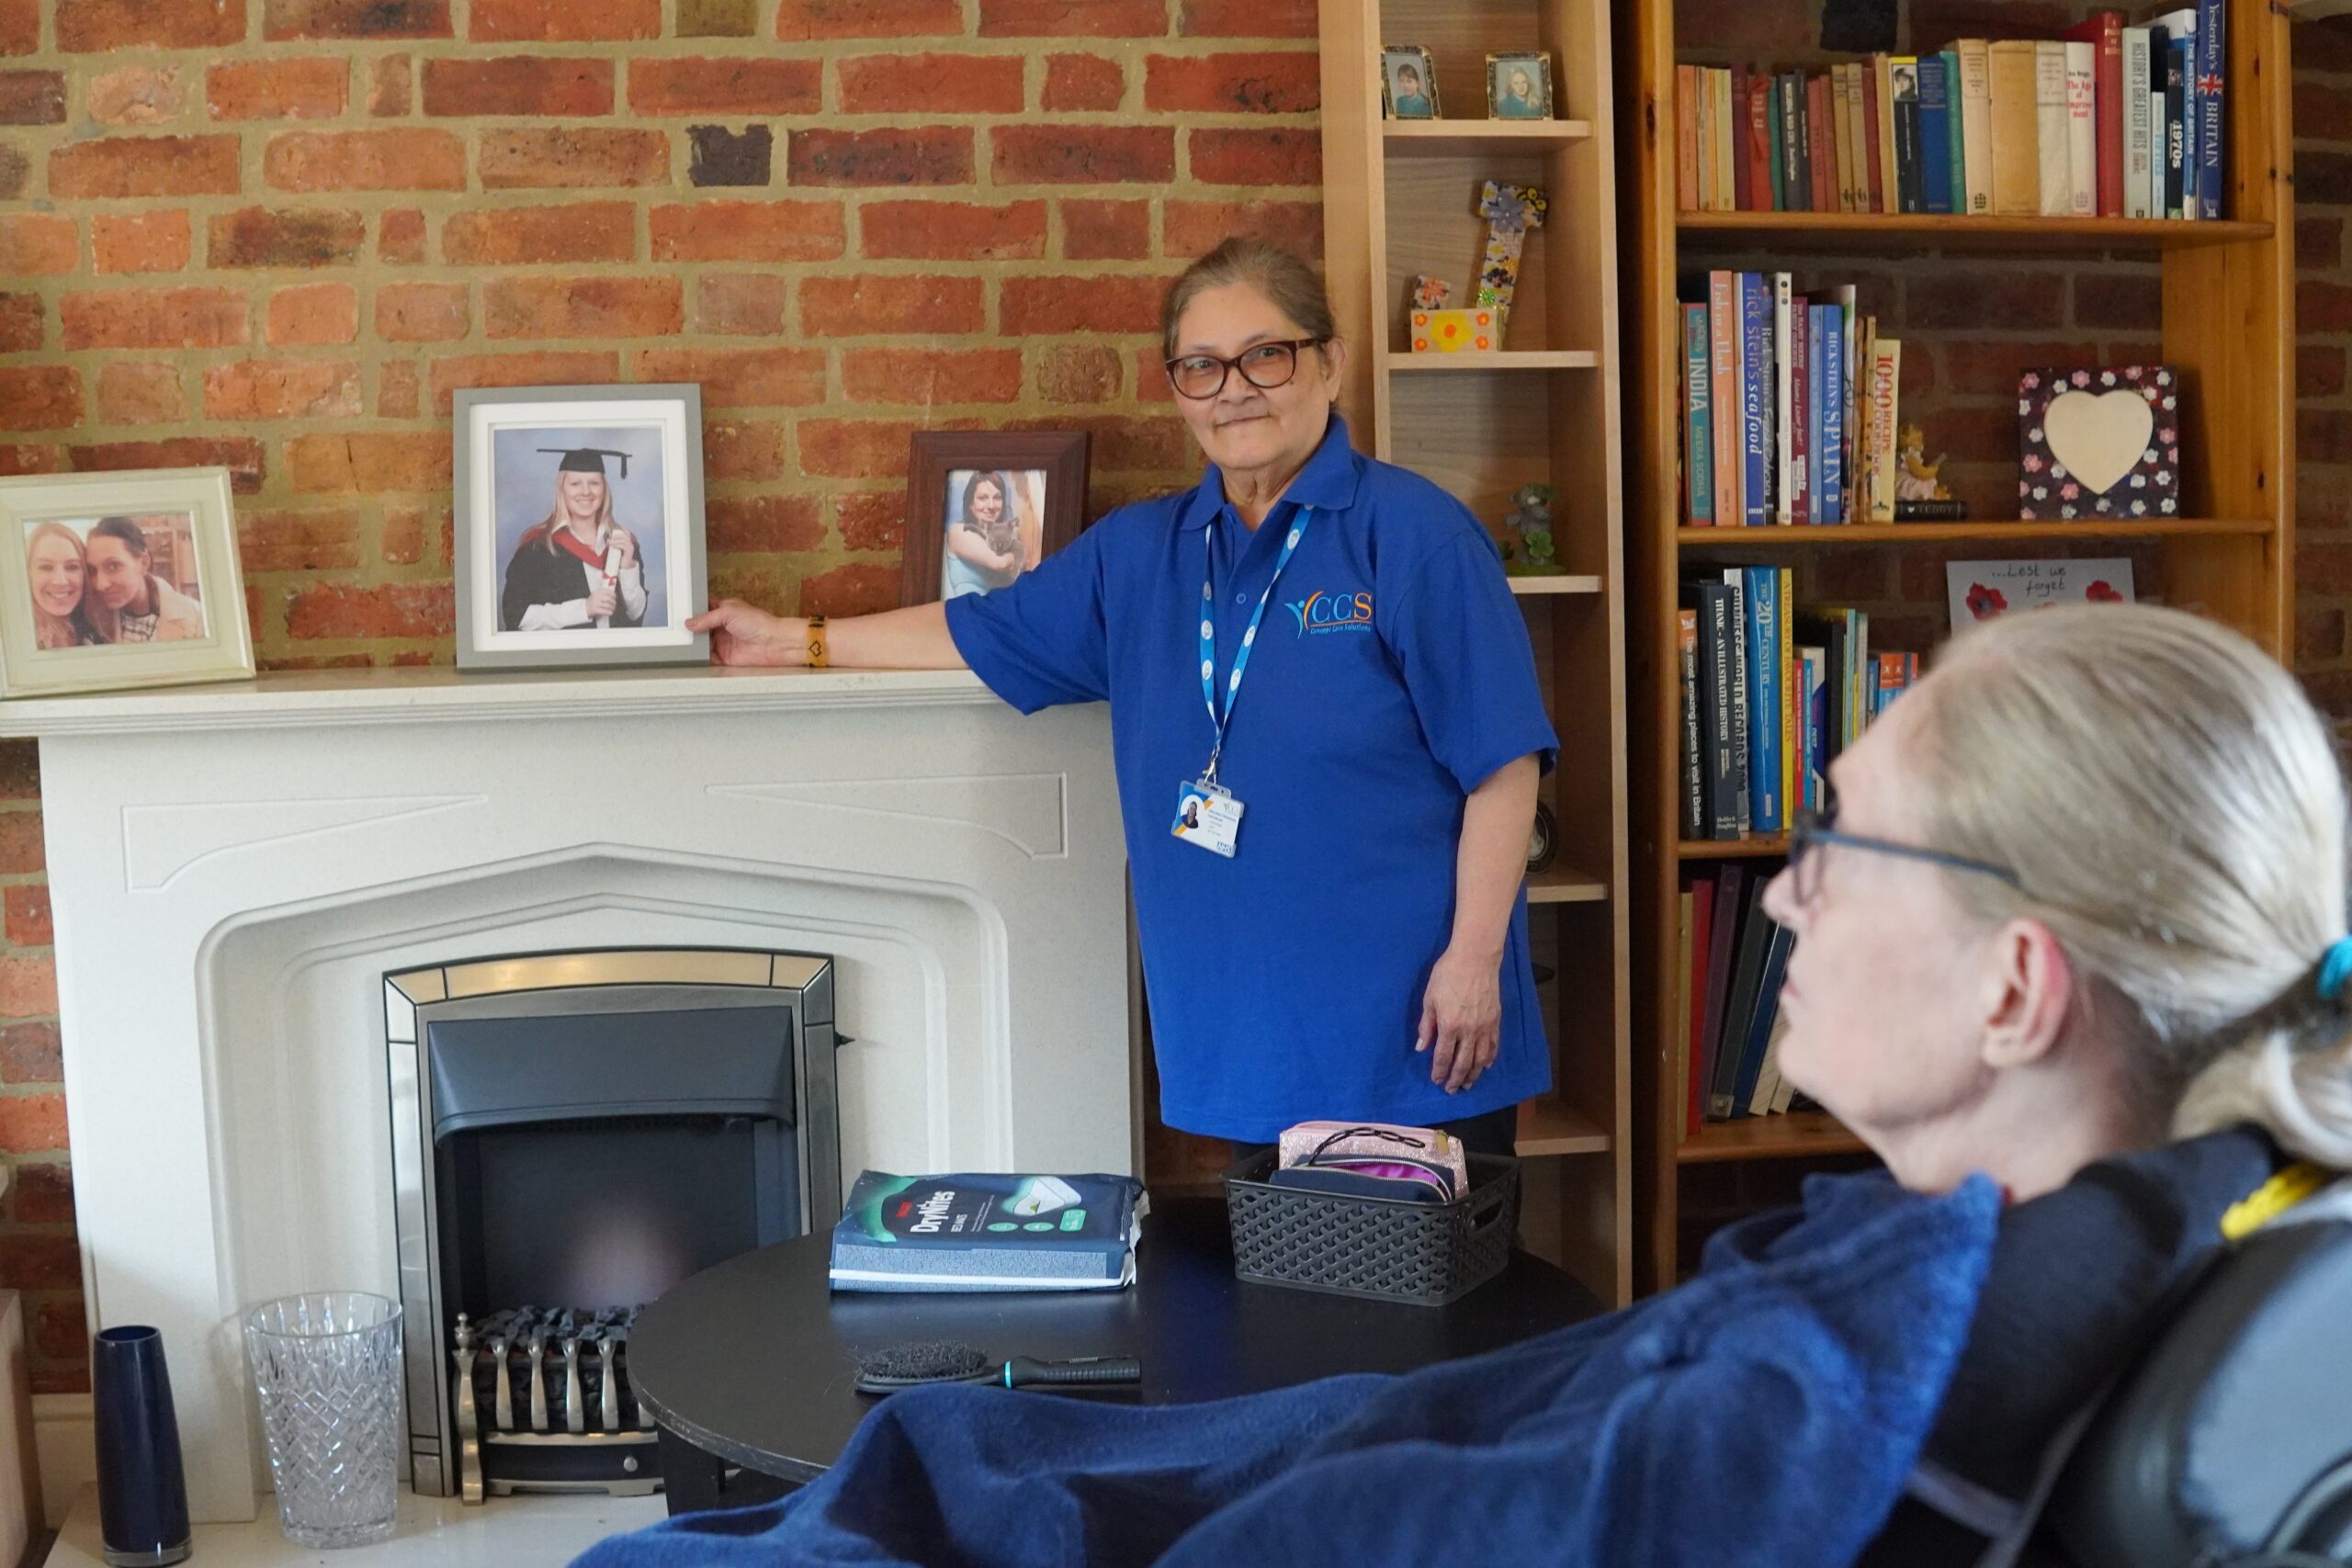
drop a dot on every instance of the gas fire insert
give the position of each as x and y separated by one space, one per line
573 1133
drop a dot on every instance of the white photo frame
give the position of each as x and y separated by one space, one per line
192 629
512 447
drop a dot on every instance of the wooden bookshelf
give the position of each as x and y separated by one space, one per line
1400 197
2227 322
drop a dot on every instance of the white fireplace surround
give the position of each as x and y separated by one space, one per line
233 869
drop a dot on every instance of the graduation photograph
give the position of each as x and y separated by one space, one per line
581 526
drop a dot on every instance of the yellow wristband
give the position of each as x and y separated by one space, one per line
817 658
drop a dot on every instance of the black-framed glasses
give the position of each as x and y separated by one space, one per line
1813 829
1264 366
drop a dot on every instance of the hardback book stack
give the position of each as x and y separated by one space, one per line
1769 696
1731 960
2110 120
1787 405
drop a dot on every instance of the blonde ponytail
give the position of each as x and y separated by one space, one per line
2176 813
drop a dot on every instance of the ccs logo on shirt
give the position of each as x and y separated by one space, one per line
1332 613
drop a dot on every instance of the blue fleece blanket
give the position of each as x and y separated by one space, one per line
1767 1412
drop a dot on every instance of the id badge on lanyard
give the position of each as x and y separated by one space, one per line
1207 814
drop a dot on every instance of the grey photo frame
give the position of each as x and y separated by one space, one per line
504 436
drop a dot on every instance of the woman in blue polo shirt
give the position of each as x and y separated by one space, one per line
1326 730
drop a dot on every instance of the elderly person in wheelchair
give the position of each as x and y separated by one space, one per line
2072 957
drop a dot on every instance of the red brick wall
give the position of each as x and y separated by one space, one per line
277 234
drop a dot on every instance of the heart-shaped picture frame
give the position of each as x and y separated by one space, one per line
2096 444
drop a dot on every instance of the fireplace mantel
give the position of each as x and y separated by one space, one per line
235 867
437 694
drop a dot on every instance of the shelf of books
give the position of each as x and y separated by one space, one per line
1823 253
1448 183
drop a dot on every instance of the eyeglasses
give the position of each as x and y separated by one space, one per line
1816 828
1264 366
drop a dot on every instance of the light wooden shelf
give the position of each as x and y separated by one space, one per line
1565 884
1793 1134
1722 228
1757 847
1774 537
1400 200
1551 1126
1563 582
1455 138
1403 362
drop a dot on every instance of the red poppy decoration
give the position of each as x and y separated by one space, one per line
1985 603
2102 592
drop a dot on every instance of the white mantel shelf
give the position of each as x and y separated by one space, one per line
439 694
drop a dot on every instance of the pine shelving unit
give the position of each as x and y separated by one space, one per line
2228 322
1400 198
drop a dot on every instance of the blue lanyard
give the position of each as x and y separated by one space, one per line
1249 637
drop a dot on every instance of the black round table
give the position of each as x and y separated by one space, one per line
748 1365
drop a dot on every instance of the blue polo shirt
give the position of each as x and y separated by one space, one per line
1390 677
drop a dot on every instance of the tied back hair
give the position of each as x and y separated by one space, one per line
2173 810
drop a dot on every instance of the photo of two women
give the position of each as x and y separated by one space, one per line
101 581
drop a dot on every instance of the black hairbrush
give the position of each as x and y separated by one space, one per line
927 1362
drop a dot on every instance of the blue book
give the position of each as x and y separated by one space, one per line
1757 451
1830 504
1735 623
990 1232
1764 740
1816 704
2212 60
1935 135
1759 1021
1698 428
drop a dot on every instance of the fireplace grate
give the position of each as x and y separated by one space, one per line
548 1392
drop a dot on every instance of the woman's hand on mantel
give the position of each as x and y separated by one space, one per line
742 635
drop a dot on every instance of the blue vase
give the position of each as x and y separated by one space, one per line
142 1490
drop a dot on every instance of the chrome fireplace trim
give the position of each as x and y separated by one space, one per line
600 981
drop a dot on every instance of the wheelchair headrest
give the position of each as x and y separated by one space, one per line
2232 1437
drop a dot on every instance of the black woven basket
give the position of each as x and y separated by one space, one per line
1387 1249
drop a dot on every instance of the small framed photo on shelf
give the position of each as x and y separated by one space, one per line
984 506
579 527
1518 86
2100 443
119 580
1407 82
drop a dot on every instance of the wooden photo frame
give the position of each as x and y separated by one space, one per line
522 603
1503 74
111 581
1039 478
1402 99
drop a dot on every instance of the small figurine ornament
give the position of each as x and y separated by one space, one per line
1509 211
1915 479
1531 519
